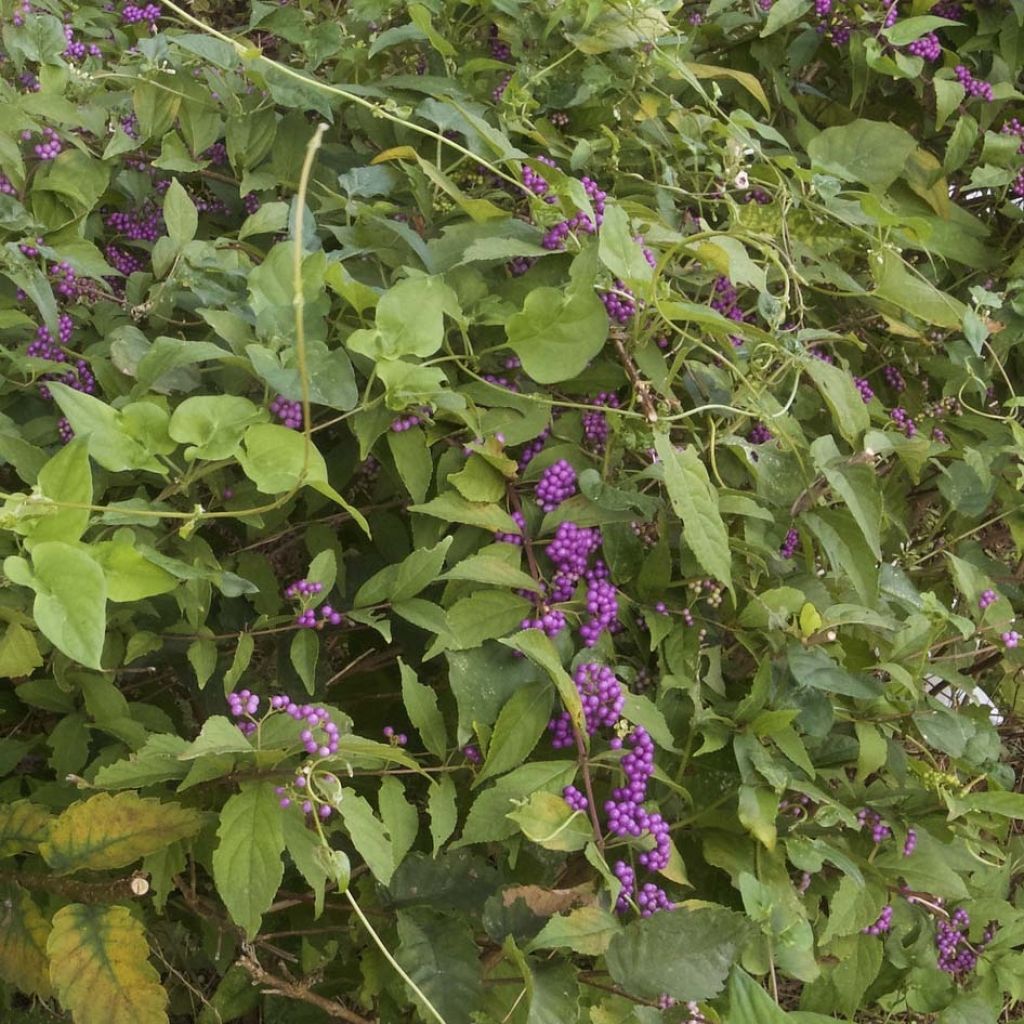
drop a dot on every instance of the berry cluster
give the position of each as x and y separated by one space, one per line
556 483
1011 638
927 47
872 820
987 598
866 394
50 147
903 420
396 739
759 434
956 954
557 235
974 87
513 538
288 413
882 924
619 303
132 14
245 704
894 378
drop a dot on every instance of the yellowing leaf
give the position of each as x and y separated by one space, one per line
22 827
23 934
19 652
99 967
748 81
113 830
810 619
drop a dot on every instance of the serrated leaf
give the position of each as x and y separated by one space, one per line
23 826
99 967
420 703
368 836
695 501
685 953
247 864
113 830
519 726
541 651
157 761
442 810
23 960
586 930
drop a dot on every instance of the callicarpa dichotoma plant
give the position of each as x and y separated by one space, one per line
511 511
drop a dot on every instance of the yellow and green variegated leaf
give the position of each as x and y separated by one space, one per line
23 934
113 830
22 827
100 969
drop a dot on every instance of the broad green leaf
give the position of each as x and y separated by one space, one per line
908 290
695 502
483 616
519 726
303 653
113 830
213 425
440 955
547 820
276 460
103 430
305 849
23 826
811 666
743 78
240 662
557 333
686 954
871 152
750 1003
99 967
410 320
247 864
67 477
618 250
70 603
783 13
19 652
130 576
23 960
219 735
420 702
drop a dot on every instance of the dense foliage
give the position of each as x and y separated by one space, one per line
511 511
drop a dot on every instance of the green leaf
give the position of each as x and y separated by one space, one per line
368 836
695 502
483 616
19 652
240 662
23 826
442 809
547 820
557 333
1006 805
585 930
453 508
67 477
420 704
406 579
410 320
100 969
103 430
180 213
213 425
441 957
485 568
811 666
758 810
70 602
113 830
849 413
783 13
520 725
748 1002
247 865
219 735
686 953
411 453
479 481
541 651
399 816
303 653
274 458
618 250
871 152
23 960
158 760
306 851
908 290
129 575
202 656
